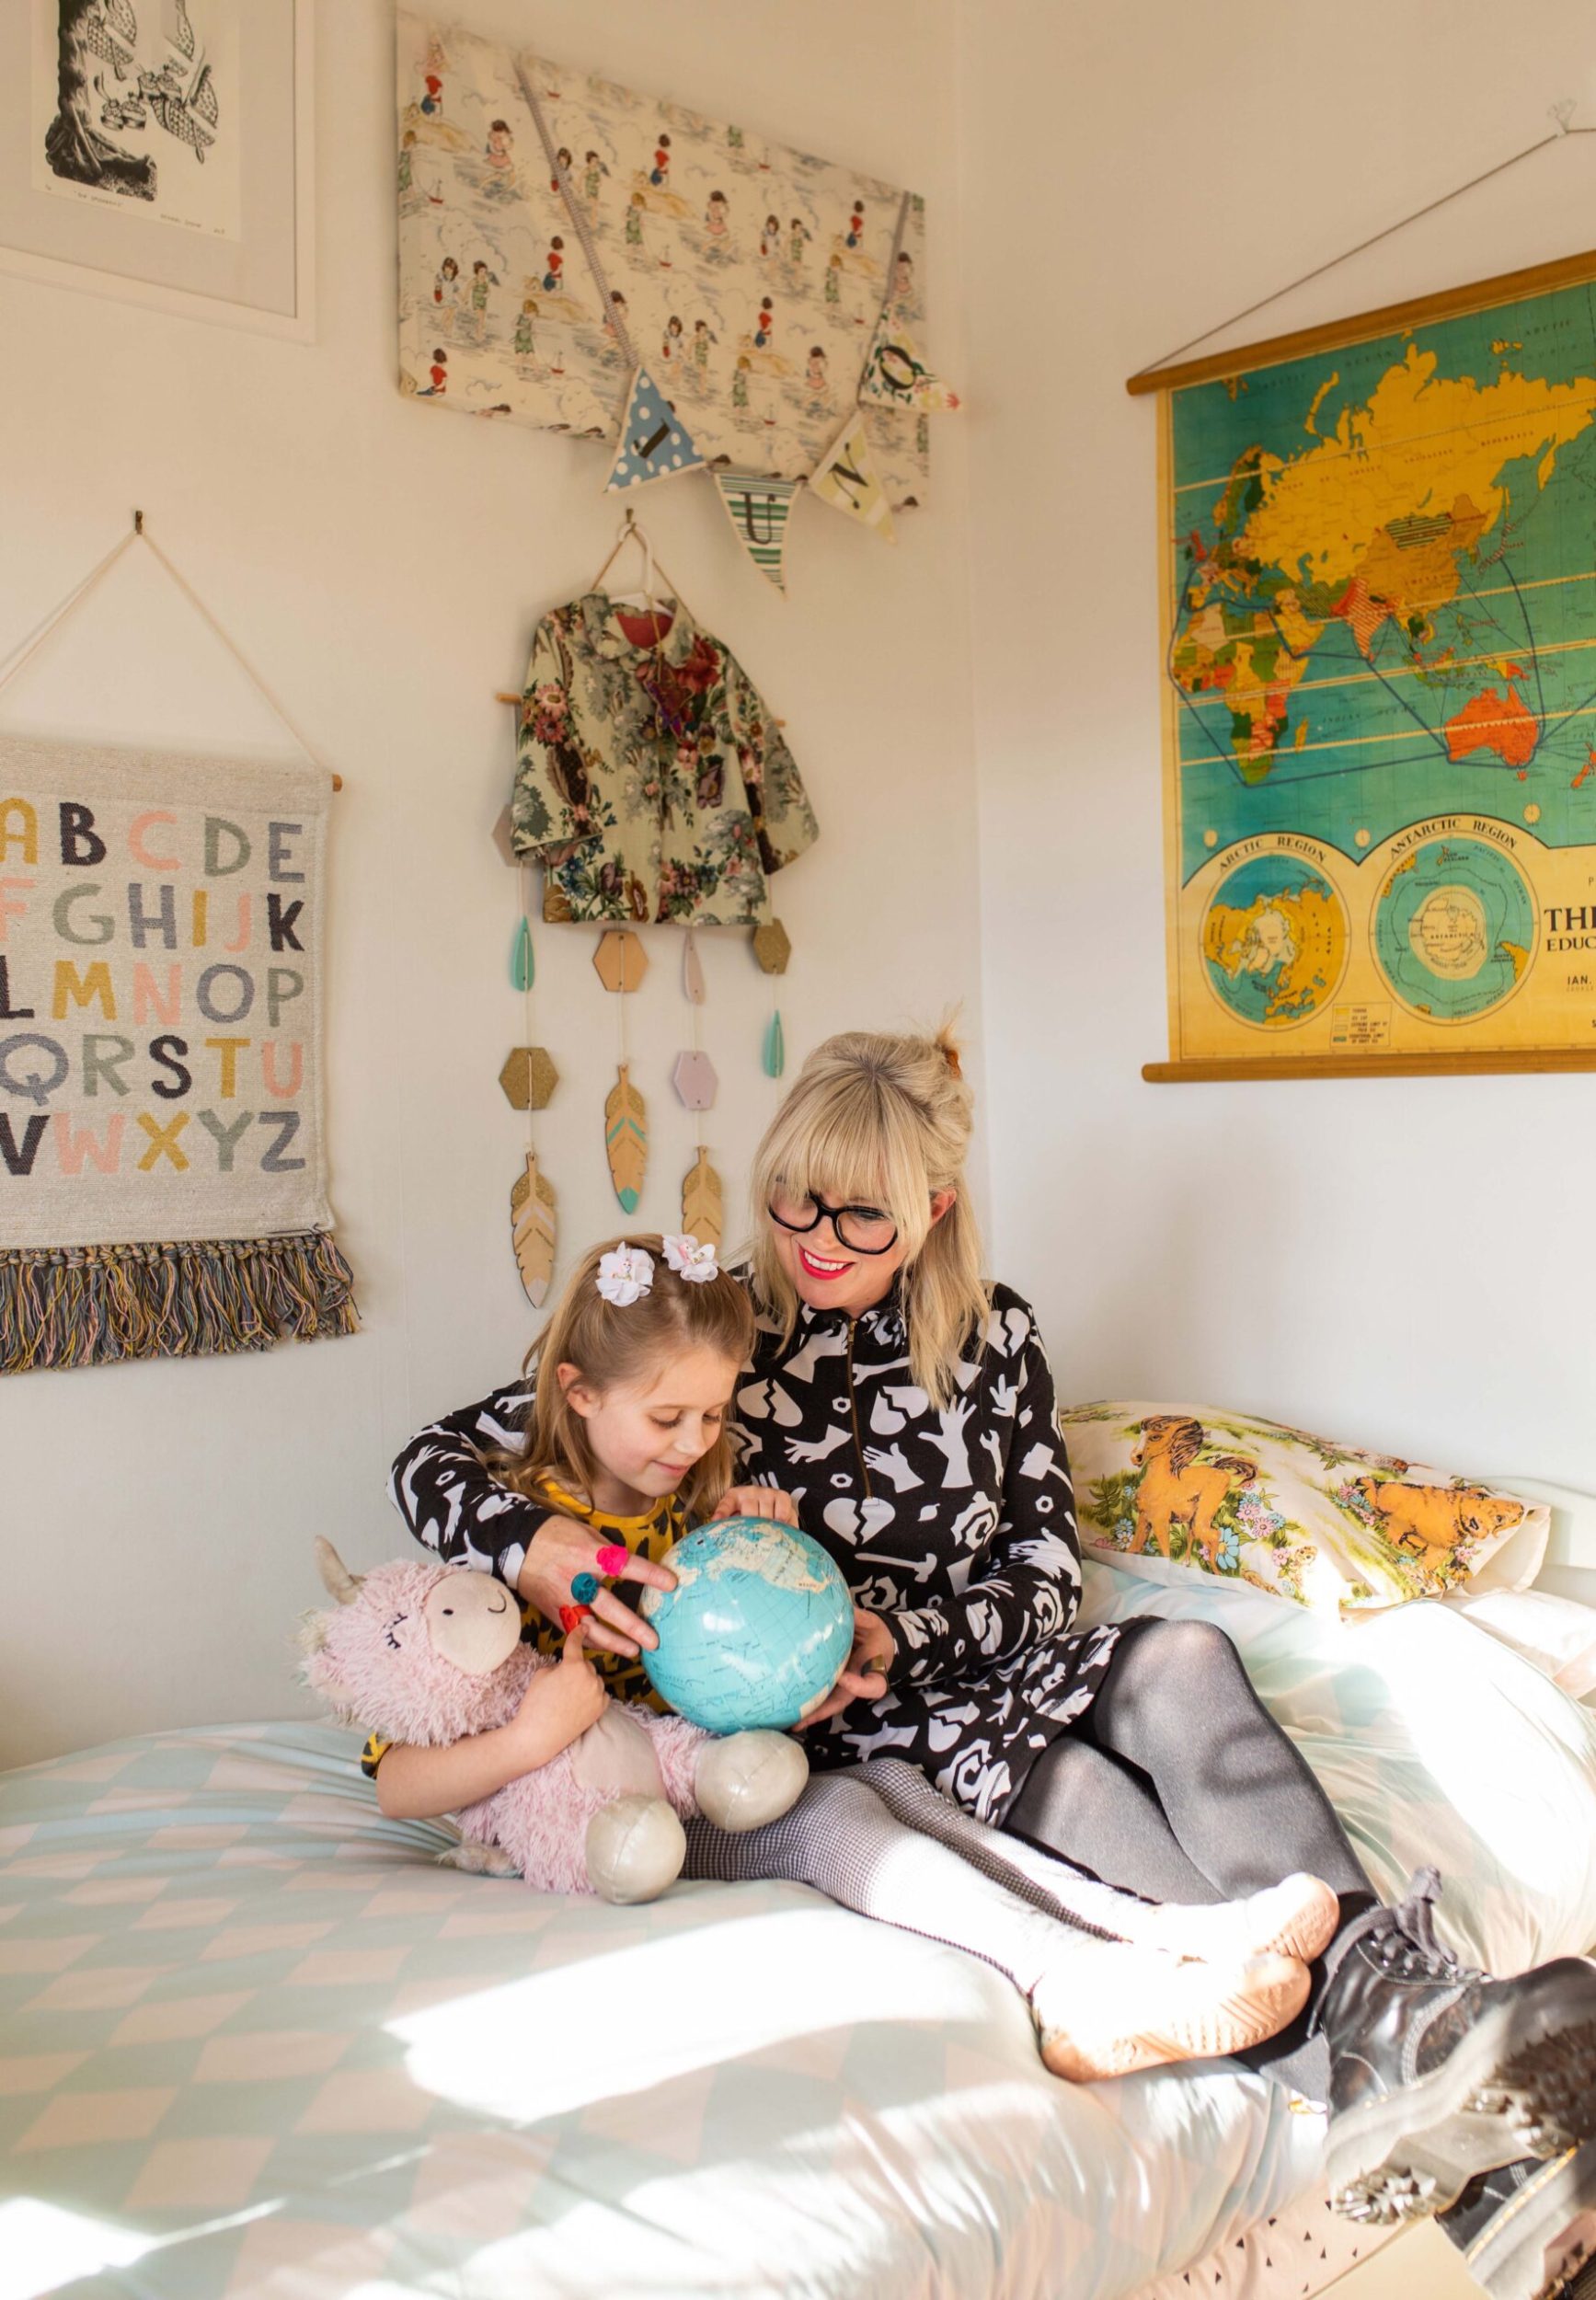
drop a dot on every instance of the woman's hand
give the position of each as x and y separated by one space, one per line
863 1676
756 1501
559 1705
557 1552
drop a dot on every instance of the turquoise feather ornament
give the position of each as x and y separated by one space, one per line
522 970
774 1048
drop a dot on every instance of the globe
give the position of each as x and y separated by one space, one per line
756 1630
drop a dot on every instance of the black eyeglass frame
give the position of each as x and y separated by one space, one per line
802 1229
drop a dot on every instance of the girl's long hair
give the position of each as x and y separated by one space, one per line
611 1345
884 1120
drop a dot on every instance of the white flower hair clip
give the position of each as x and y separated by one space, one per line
691 1259
625 1275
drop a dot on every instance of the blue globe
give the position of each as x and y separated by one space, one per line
756 1630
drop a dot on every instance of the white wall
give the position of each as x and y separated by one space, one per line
382 563
1411 1262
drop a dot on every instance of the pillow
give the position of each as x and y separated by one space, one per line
1163 1490
1554 1633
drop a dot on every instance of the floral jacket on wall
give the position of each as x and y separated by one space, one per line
651 782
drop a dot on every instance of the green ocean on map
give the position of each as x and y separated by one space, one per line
1391 615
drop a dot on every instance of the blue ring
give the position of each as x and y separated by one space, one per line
585 1587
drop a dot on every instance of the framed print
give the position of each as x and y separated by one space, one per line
162 150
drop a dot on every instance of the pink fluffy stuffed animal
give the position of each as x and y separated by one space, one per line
426 1654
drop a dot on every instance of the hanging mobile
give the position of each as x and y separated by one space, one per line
703 1200
621 962
772 948
528 1079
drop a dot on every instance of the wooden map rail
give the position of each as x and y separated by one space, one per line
1391 318
1530 1058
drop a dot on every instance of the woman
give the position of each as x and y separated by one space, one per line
907 1408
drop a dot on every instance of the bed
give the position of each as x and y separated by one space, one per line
255 2044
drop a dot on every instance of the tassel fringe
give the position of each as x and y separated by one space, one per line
94 1304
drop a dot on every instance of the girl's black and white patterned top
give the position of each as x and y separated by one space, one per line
956 1524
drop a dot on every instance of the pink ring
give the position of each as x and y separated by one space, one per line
613 1558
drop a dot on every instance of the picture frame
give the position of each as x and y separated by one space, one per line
162 152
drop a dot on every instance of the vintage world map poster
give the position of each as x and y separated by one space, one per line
1380 668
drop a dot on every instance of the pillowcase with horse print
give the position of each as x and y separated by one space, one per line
1335 1528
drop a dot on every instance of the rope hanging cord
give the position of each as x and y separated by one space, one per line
1150 373
139 532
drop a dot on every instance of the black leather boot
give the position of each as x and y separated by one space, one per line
1527 2231
1438 2072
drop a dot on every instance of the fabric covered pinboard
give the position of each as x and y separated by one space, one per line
1163 1489
753 280
162 1187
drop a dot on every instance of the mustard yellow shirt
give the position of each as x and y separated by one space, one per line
649 1536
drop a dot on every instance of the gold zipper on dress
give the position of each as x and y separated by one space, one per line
853 1411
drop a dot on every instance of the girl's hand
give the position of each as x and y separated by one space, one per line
559 1704
864 1677
756 1501
557 1552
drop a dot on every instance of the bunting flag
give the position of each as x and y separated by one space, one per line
896 377
846 478
653 445
759 509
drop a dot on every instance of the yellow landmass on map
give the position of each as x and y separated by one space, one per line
1297 941
1322 511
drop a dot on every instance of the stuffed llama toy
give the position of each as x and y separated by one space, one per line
426 1654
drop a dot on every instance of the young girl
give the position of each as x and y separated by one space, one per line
627 1433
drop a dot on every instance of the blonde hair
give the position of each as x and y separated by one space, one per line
611 1345
885 1120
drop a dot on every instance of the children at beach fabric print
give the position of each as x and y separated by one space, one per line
134 106
610 229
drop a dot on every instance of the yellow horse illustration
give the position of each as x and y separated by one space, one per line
1176 1488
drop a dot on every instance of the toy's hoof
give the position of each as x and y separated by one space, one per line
634 1849
749 1778
479 1860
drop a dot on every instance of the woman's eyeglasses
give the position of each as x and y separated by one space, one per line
862 1229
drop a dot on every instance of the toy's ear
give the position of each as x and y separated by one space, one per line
337 1579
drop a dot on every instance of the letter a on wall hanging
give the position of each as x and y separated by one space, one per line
759 509
653 445
163 1166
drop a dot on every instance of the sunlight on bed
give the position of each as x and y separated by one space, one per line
42 2248
633 2017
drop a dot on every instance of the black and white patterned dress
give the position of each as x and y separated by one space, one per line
957 1525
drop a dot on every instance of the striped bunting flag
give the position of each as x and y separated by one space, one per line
759 510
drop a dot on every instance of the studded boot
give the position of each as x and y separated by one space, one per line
1438 2071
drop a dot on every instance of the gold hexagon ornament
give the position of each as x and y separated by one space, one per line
771 947
620 958
529 1077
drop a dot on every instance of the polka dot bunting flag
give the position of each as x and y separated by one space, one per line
653 445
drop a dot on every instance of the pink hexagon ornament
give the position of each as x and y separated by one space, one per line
695 1080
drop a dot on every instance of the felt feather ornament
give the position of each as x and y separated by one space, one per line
703 1202
774 1048
627 1139
523 968
693 969
531 1229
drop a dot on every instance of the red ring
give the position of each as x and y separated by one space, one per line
570 1615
